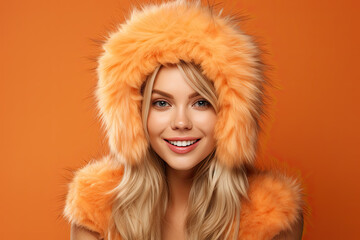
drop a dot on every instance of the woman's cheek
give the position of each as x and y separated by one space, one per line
204 120
157 121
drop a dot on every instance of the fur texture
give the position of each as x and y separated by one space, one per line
88 201
168 33
273 206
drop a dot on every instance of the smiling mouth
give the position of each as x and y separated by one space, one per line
182 143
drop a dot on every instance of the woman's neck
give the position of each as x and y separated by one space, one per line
179 183
179 186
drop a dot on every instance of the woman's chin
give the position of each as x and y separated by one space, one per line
182 166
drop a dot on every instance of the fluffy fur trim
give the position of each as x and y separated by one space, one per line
274 201
89 198
275 204
167 33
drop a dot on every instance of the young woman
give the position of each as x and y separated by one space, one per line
181 96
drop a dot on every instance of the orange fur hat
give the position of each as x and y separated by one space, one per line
167 33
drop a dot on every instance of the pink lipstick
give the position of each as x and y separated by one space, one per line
182 149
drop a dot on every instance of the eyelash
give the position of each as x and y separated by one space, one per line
205 102
156 103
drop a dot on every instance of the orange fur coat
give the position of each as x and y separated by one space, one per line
274 205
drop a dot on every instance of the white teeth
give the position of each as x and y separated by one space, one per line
182 143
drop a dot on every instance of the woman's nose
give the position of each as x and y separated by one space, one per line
181 120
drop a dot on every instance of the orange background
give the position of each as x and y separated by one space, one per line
48 121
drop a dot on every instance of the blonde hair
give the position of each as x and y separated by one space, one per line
141 199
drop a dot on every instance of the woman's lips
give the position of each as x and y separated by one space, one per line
182 150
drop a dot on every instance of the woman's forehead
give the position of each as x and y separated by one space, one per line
170 80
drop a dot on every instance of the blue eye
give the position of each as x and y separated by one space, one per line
160 104
202 104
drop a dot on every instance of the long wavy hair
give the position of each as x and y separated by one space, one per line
141 198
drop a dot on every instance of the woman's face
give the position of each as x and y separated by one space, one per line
180 122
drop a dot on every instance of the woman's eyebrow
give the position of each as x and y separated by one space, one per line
162 93
195 94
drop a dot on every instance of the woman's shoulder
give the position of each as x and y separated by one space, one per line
274 205
88 201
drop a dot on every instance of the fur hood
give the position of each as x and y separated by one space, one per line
167 33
